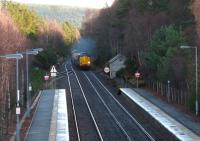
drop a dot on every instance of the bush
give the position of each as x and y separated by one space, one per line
63 51
121 73
46 59
131 66
37 79
192 101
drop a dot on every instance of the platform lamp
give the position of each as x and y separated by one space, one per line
16 56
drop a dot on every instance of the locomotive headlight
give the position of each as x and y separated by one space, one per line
88 62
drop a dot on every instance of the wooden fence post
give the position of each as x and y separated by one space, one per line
157 86
168 91
179 94
172 95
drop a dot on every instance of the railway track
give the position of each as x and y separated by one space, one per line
127 123
109 118
86 127
109 126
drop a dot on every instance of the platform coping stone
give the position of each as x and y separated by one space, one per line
59 121
176 128
53 126
62 117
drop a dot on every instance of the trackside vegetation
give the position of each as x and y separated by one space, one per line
21 30
149 33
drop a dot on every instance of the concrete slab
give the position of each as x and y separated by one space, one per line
176 128
40 126
50 121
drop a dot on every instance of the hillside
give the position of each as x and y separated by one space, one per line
61 13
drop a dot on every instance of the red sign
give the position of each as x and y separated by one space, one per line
137 74
46 77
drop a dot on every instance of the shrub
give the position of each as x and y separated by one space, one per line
37 79
121 73
131 66
46 59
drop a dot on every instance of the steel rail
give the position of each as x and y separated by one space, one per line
111 113
73 106
95 123
123 108
88 106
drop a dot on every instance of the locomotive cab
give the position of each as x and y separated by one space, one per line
84 60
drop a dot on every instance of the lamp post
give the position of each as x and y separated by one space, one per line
16 56
27 53
27 81
196 62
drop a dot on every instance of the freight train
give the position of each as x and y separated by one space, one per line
81 59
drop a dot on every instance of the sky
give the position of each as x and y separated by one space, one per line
77 3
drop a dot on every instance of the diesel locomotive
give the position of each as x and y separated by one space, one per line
81 59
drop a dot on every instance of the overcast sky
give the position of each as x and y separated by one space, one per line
79 3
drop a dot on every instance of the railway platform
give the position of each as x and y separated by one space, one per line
50 120
178 124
